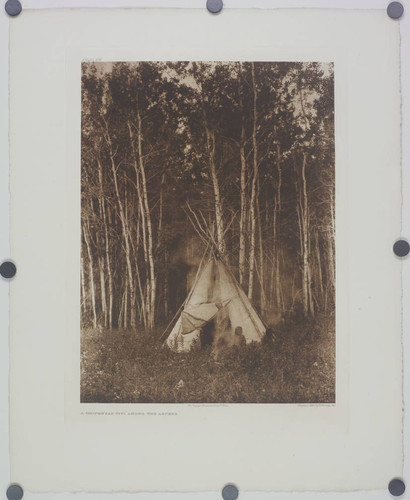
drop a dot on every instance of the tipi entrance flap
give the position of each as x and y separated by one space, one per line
195 316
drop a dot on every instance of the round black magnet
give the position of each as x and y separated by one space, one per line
8 269
13 7
14 492
397 487
395 10
230 492
214 6
401 248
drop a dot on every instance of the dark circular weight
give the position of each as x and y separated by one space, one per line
397 487
395 10
14 492
230 492
8 269
214 6
401 248
13 7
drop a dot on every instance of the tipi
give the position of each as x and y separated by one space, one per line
215 311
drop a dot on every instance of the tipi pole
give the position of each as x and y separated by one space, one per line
172 320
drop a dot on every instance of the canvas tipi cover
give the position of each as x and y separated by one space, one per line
215 297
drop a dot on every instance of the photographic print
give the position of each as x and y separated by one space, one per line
208 232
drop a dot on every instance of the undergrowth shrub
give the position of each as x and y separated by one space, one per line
298 366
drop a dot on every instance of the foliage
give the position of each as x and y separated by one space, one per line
248 147
297 366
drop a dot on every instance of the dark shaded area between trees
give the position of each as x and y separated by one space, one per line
173 152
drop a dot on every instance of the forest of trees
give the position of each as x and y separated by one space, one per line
181 157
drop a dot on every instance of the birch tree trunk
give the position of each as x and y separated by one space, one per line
304 228
152 281
161 208
210 149
242 220
102 245
330 233
141 227
319 268
332 236
143 297
276 251
252 210
210 143
139 168
124 229
304 223
261 258
91 271
83 294
125 317
166 285
102 290
108 265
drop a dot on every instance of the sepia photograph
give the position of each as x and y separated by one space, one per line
207 232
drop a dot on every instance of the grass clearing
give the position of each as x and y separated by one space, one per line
125 366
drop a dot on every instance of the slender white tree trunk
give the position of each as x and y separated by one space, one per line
139 167
261 259
276 251
252 210
83 294
242 220
305 228
124 229
210 142
109 271
91 272
319 267
102 290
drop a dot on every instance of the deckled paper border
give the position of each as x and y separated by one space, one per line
311 434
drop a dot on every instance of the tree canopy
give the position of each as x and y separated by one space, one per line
176 155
